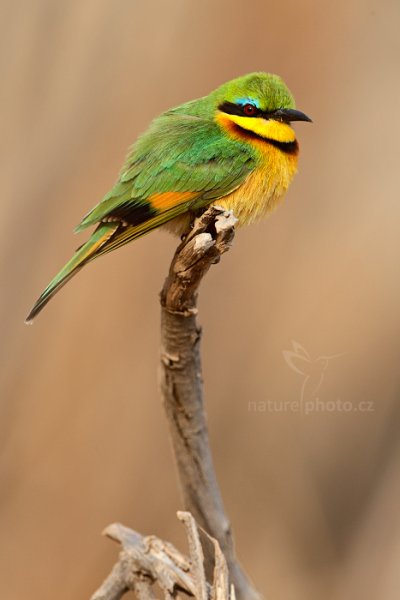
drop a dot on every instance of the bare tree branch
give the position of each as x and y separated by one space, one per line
182 387
145 561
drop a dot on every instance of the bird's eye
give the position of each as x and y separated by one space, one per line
249 110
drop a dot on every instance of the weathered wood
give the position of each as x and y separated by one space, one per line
182 385
212 572
146 561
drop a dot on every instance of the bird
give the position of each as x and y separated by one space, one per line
234 148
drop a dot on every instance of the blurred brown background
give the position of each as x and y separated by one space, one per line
312 488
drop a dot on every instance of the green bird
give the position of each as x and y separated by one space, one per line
234 148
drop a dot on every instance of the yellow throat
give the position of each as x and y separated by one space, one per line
263 189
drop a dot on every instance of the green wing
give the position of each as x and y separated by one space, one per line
178 154
181 164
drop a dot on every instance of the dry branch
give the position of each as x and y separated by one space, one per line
145 561
182 387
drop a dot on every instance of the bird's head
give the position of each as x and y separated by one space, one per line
259 105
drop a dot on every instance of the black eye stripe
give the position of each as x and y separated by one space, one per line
237 109
285 115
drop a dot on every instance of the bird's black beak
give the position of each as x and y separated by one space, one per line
287 115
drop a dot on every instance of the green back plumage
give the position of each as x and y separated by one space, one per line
178 153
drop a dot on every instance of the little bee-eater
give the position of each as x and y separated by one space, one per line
234 147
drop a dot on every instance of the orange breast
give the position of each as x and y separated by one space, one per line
264 188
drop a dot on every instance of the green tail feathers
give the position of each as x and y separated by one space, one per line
83 255
108 236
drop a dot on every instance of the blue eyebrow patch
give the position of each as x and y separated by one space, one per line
243 101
